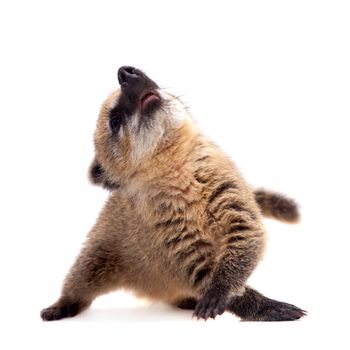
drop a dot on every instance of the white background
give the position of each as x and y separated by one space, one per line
268 80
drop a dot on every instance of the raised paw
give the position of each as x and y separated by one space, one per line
279 311
59 311
210 306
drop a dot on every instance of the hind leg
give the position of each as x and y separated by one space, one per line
95 272
253 306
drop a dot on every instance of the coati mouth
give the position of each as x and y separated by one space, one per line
138 90
148 99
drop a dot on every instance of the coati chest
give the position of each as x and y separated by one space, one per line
171 238
147 267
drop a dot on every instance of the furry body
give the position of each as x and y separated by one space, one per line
181 225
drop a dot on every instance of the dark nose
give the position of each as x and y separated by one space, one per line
128 76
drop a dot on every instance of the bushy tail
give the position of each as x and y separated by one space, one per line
277 206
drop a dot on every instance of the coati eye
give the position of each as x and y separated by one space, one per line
114 123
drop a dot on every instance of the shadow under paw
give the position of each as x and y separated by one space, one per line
187 304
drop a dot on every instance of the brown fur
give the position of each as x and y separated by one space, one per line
180 224
277 206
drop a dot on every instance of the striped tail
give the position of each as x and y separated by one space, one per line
277 206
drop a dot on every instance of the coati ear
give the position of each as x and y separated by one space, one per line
96 173
98 176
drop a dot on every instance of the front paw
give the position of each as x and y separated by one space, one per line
211 305
58 311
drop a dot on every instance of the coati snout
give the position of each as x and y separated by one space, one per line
138 94
180 225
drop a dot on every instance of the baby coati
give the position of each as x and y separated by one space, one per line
180 225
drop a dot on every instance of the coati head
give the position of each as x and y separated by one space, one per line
133 123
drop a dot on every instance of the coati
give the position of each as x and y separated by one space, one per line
180 225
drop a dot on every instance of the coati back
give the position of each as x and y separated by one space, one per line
180 225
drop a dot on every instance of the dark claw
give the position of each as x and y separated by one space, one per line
51 314
279 311
57 312
210 307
